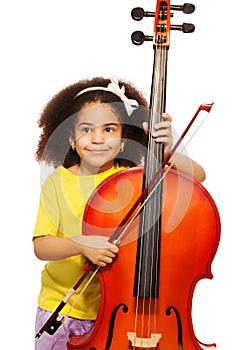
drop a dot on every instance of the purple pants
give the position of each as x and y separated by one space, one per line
58 340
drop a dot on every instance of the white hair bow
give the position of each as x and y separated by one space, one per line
130 104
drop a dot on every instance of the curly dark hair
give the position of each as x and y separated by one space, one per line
58 118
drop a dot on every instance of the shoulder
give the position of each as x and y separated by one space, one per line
52 175
52 181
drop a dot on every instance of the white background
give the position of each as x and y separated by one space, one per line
48 44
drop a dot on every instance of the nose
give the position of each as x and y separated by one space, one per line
97 135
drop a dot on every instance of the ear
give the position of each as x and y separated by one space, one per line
122 146
72 142
123 142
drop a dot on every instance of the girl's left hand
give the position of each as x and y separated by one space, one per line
162 132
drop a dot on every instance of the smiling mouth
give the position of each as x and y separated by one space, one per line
97 150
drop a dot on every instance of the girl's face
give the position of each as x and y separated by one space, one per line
98 137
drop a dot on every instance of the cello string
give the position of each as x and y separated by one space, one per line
154 151
141 278
143 226
137 296
162 54
151 240
155 207
147 211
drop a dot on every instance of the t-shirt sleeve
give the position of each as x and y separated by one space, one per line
47 222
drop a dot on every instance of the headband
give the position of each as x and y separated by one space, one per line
130 104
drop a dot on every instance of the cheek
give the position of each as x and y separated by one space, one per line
80 145
114 143
82 139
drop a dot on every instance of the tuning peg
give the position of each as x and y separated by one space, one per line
139 37
186 8
138 13
185 27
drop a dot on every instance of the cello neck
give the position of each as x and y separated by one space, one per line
161 42
146 283
157 107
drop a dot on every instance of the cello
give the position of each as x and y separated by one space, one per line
146 294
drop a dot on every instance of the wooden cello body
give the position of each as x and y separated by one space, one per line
189 239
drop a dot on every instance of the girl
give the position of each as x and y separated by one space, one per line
90 130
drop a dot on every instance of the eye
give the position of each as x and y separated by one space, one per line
109 129
86 129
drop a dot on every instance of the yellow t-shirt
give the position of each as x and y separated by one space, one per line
62 202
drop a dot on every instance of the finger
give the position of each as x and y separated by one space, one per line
163 139
101 264
105 260
105 254
114 249
166 132
165 125
167 117
145 127
163 135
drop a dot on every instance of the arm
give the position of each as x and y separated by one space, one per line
55 248
49 246
188 166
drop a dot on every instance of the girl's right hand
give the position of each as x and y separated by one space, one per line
97 249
